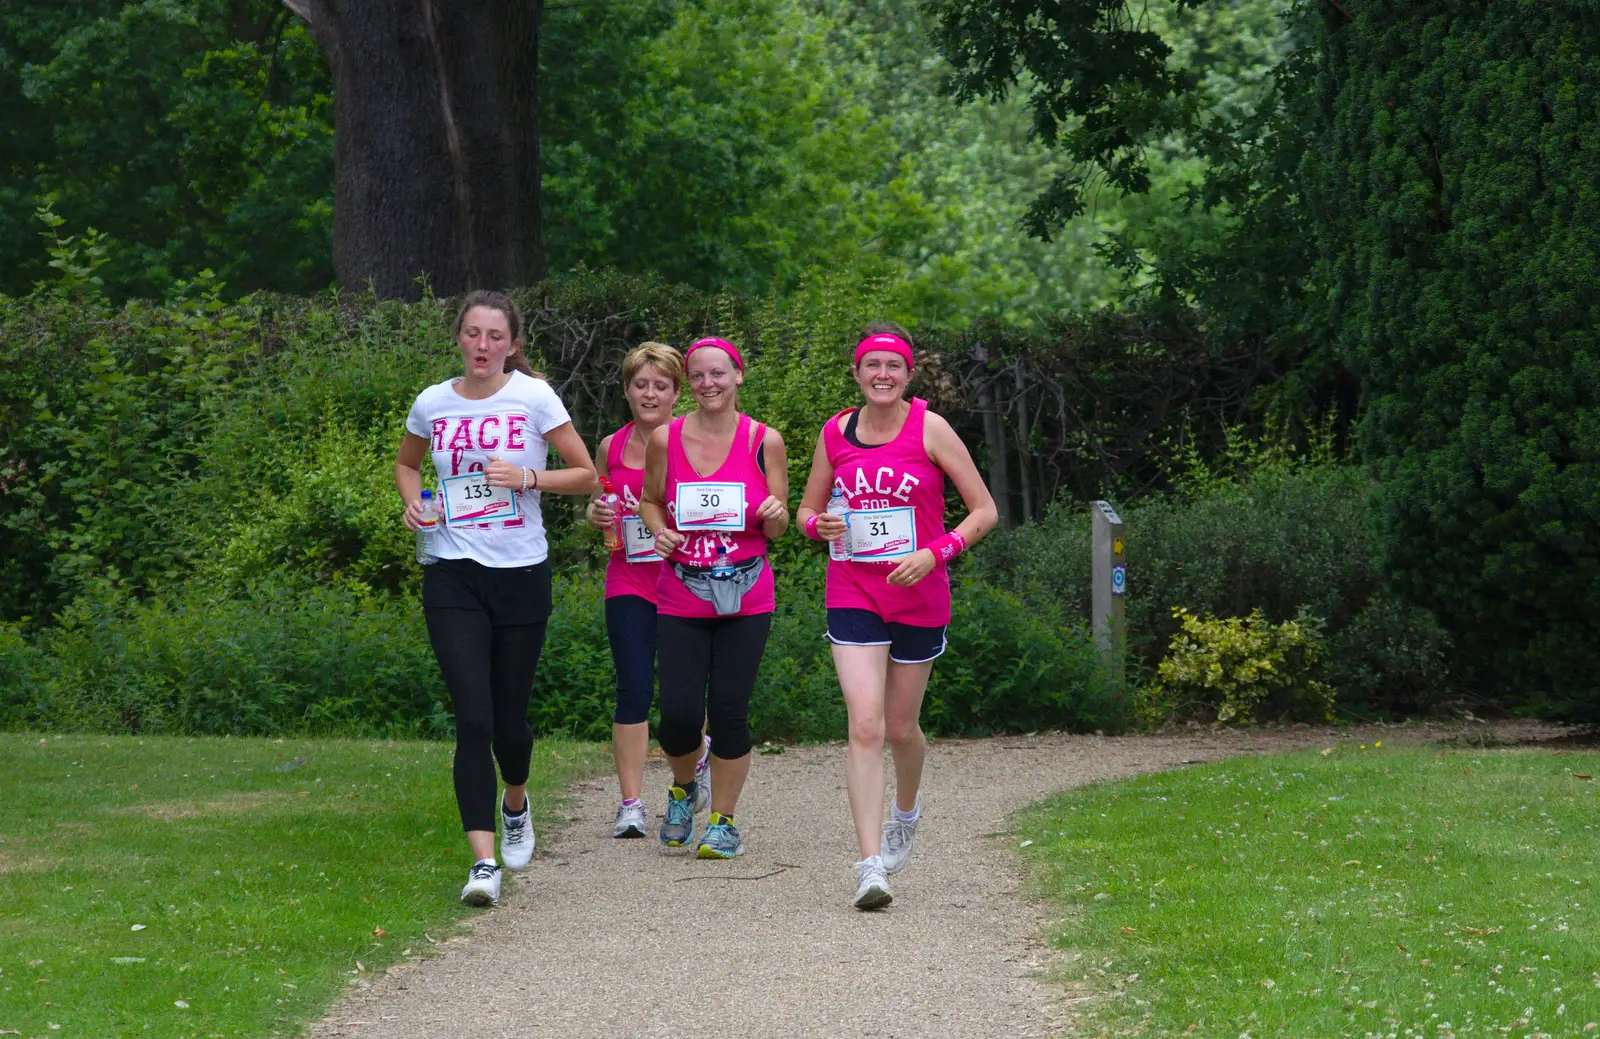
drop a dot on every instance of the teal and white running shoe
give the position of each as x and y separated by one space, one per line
677 828
721 839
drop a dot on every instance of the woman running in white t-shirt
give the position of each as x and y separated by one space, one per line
487 598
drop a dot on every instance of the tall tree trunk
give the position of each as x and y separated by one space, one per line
436 142
1024 445
994 435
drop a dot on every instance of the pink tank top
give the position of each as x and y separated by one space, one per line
715 510
634 569
897 500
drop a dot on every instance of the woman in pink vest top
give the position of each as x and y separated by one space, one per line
888 593
715 490
652 376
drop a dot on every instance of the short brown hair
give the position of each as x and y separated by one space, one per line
506 305
662 356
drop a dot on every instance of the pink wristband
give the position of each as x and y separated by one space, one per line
948 547
811 528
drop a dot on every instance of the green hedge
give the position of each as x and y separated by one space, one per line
1460 239
287 657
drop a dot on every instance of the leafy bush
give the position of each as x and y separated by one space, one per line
1241 668
1261 528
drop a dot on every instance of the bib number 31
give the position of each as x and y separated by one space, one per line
882 535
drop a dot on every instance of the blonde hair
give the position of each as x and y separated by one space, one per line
662 356
506 305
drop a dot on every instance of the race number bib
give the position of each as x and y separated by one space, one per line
469 499
638 544
710 506
879 535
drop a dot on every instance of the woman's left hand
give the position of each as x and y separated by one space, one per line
913 568
502 473
770 509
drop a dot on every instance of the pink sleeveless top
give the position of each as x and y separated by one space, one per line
727 498
897 500
640 576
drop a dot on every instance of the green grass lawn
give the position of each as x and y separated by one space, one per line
160 887
1376 892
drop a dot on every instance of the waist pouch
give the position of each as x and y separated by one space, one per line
723 593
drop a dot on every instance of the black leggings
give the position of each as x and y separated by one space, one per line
631 629
487 644
707 668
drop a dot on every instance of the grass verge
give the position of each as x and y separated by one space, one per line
1369 892
165 887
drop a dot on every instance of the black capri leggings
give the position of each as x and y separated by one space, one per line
487 628
708 670
631 629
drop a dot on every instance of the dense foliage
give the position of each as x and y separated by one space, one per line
1461 247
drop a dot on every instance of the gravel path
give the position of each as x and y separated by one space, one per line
617 938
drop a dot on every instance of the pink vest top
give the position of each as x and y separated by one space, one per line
897 500
641 576
727 498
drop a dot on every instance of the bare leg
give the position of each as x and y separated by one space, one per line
482 844
902 707
727 782
630 744
861 678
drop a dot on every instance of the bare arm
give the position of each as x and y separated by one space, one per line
774 512
819 486
652 502
408 476
576 478
946 451
597 514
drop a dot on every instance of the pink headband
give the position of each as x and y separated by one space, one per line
721 344
884 341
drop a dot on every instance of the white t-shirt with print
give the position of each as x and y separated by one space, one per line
463 434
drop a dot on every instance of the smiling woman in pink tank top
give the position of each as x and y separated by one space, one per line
652 376
715 491
888 595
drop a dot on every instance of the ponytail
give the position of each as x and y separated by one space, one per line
516 361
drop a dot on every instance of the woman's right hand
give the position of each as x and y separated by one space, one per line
413 514
667 542
599 515
830 527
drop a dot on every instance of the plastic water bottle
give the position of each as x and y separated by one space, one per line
613 501
839 505
428 523
723 567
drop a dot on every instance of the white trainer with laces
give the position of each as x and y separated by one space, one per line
483 885
898 837
872 884
516 836
630 821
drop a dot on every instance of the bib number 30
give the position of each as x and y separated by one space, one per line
710 506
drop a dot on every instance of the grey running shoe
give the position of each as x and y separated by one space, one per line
516 836
630 821
702 784
872 884
677 828
721 840
483 885
898 837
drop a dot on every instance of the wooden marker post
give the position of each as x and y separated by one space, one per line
1110 578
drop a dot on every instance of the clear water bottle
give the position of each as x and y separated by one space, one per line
613 501
427 524
839 506
723 567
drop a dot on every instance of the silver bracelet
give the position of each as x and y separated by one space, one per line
524 480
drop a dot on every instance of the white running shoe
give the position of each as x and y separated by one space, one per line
516 836
483 885
702 781
898 837
872 887
630 821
